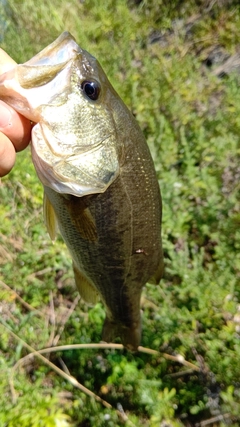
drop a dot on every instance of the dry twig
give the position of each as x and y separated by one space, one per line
71 379
65 318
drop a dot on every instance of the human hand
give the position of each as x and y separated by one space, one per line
15 130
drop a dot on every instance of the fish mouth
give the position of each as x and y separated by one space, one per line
48 69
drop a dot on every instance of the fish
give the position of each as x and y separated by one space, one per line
101 191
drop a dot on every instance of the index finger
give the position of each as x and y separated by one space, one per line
6 62
19 128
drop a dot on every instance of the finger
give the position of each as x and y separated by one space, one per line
6 62
7 155
16 127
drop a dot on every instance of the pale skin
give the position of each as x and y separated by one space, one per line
15 130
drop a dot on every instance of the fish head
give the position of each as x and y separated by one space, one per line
63 89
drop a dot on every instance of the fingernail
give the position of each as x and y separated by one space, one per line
5 116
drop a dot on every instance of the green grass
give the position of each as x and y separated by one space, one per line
191 120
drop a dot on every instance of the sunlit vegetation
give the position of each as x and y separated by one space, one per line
163 58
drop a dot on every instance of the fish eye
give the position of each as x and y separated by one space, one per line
91 89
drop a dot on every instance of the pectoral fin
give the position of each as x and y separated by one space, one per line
50 218
85 287
82 218
86 225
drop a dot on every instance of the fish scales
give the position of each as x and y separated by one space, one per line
113 261
106 204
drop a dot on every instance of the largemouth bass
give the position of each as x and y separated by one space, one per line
100 186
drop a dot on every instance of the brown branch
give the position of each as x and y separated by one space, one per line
51 320
71 379
213 420
63 374
65 319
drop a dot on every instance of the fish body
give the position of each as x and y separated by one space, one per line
100 185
